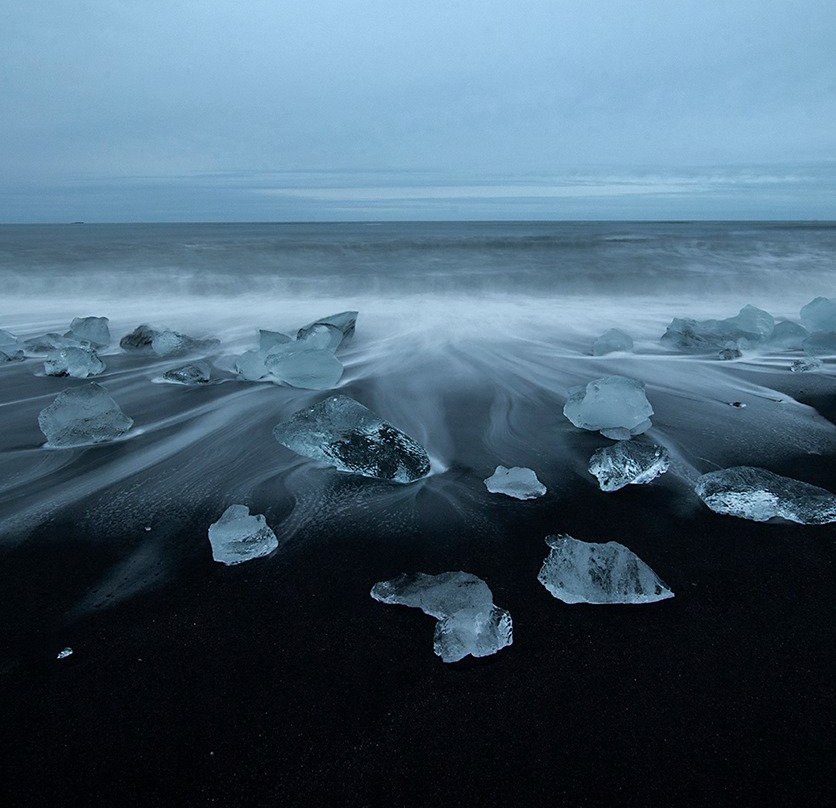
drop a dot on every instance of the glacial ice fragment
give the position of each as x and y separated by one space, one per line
750 326
806 365
47 343
730 351
139 339
250 366
90 329
77 362
267 339
82 415
67 652
238 537
611 341
628 463
819 314
788 335
12 355
759 495
329 332
195 373
820 343
350 437
169 343
299 365
584 572
9 343
468 620
516 482
614 405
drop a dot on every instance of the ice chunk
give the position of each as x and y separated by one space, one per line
329 332
750 326
238 537
614 405
628 463
820 314
77 362
67 652
90 329
788 335
730 351
196 373
302 366
50 342
806 365
584 572
468 620
820 343
610 341
9 343
516 482
139 339
759 495
250 365
169 343
81 415
12 356
267 339
350 437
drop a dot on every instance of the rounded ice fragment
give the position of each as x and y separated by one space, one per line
83 415
90 329
612 340
195 373
614 405
238 537
300 365
819 314
628 463
516 482
77 362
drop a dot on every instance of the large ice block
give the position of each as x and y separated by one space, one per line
300 365
750 326
628 463
614 405
90 329
610 341
329 332
819 314
77 362
82 415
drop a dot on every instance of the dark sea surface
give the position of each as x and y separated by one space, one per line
280 681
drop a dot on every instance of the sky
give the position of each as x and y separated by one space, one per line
270 110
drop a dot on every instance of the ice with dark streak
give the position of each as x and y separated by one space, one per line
350 437
77 362
46 343
585 572
192 374
329 332
615 406
759 495
516 482
83 415
806 365
469 623
238 536
611 341
750 326
628 463
90 329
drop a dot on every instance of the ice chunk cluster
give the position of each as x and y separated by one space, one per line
195 373
93 330
77 362
806 365
516 482
238 537
83 415
468 620
759 495
163 342
628 463
616 406
611 341
350 437
584 572
750 326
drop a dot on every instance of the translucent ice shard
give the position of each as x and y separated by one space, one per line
250 366
628 463
820 343
614 405
195 373
759 495
750 326
329 332
299 365
788 335
468 620
583 572
46 343
67 652
77 362
12 355
90 329
238 537
139 339
819 314
610 341
350 437
82 415
806 365
9 343
268 339
516 482
170 343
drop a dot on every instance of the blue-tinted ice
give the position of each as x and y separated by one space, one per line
238 537
615 405
83 415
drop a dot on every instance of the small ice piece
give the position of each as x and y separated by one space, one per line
65 653
90 329
47 343
329 332
614 405
250 366
77 362
168 343
737 404
267 339
350 437
516 482
305 367
9 343
628 463
10 354
806 365
750 326
83 415
759 495
139 339
468 620
788 335
820 314
584 572
611 341
730 351
195 373
238 537
820 343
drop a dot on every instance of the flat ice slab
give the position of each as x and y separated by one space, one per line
350 437
195 373
628 463
610 341
238 537
468 620
83 415
77 362
584 572
329 332
516 482
759 495
614 405
301 365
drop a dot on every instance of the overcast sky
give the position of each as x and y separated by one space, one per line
340 109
